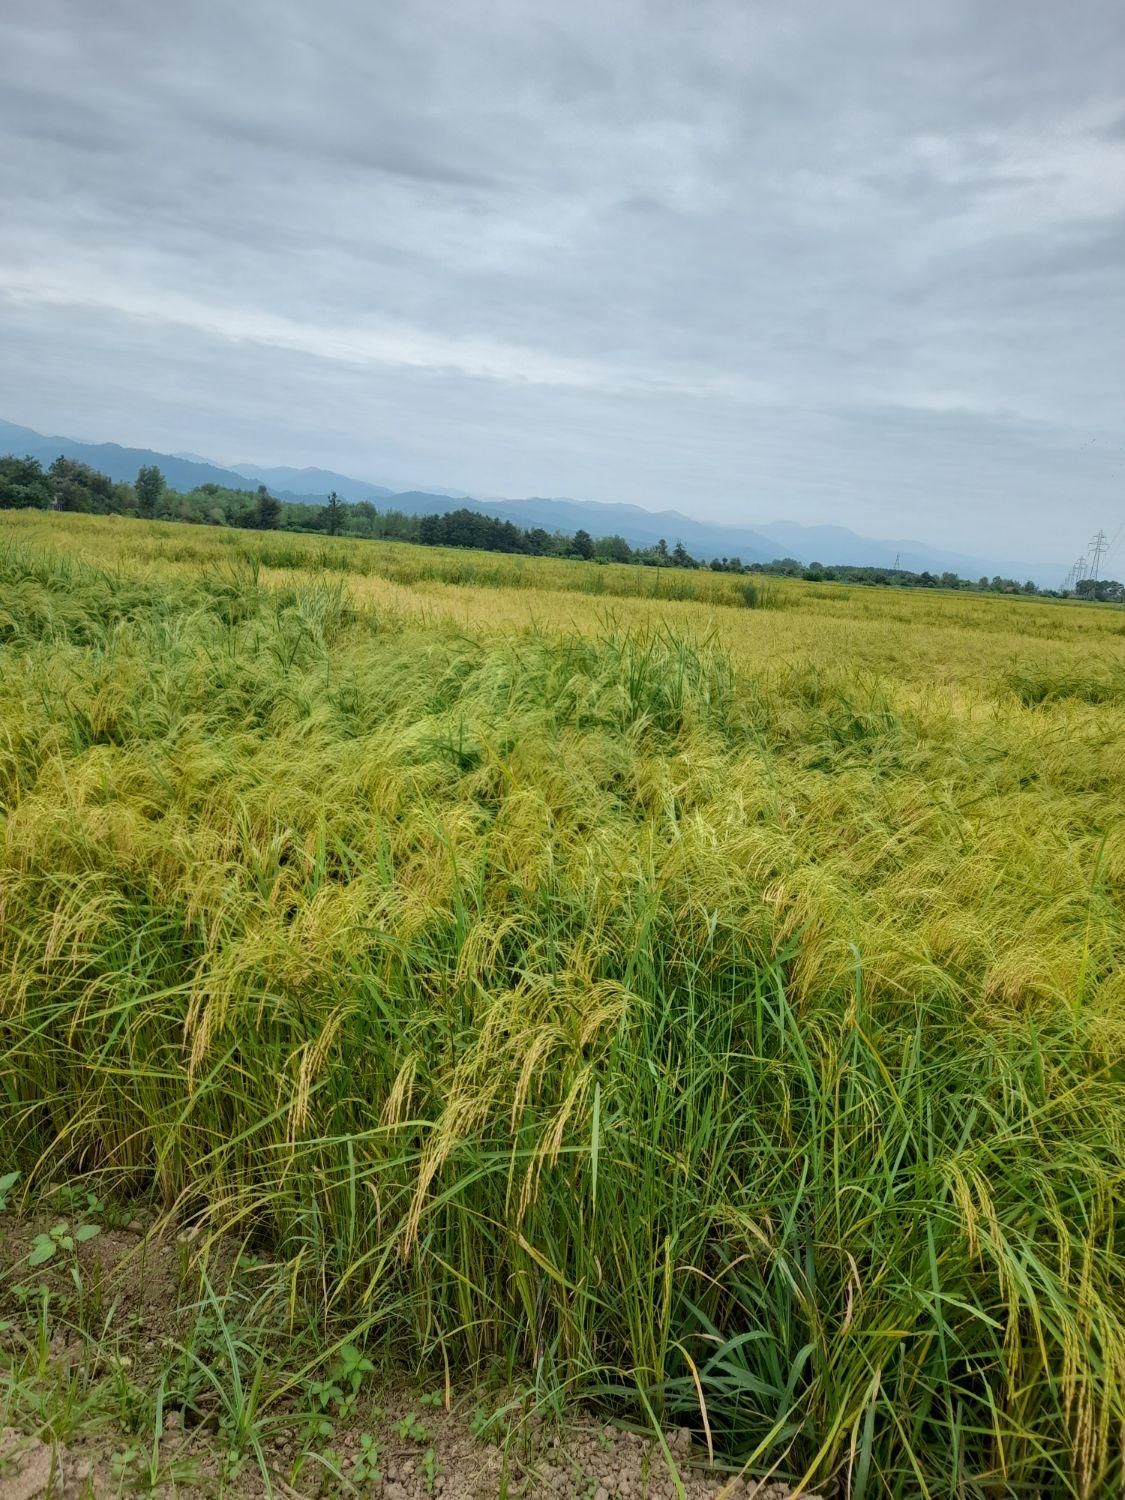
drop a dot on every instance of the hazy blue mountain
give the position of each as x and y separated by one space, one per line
836 544
639 527
119 463
301 484
305 482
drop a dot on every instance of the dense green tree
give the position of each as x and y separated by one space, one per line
333 517
149 488
75 486
268 510
467 528
613 549
582 544
363 519
1105 590
540 542
23 484
396 524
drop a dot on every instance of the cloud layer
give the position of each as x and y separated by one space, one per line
860 263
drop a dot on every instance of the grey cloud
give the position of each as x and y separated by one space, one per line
858 263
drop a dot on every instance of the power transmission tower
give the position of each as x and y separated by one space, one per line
1097 547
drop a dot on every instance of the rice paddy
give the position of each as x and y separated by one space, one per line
707 1001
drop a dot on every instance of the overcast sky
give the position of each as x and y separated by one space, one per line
859 263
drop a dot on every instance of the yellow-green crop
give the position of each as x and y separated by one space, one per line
574 965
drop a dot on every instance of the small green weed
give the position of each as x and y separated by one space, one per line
340 1388
411 1427
59 1237
365 1472
430 1469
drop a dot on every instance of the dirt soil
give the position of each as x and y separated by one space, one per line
58 1441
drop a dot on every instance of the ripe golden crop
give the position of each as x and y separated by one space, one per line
718 1001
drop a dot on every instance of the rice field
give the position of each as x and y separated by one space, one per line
706 1001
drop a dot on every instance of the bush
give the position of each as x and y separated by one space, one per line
761 593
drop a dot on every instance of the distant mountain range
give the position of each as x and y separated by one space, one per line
314 484
305 483
119 463
639 527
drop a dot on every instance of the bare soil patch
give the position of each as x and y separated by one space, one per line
84 1345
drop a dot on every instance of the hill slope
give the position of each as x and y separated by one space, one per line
307 483
112 459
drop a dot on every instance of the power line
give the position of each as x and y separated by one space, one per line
1097 547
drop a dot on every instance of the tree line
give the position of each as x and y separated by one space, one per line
70 485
